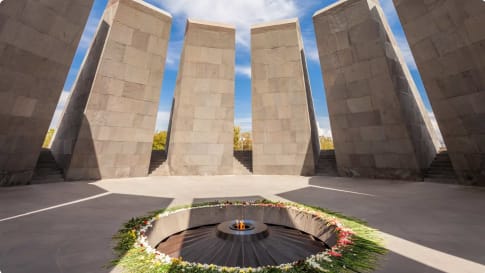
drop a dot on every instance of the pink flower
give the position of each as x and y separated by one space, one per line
344 242
334 254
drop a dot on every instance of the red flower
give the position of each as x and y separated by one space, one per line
334 254
343 234
344 242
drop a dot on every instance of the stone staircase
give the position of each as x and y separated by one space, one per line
158 166
327 164
243 162
47 170
441 169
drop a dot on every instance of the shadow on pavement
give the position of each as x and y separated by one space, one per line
74 238
19 200
444 218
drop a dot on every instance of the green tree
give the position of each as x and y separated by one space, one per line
326 143
159 141
237 138
48 138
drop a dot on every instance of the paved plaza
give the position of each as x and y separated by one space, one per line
67 227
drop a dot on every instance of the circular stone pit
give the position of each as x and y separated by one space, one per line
338 248
276 235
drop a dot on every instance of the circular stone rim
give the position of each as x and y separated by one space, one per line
138 228
331 224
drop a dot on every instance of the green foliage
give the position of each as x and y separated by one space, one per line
48 138
237 137
242 141
126 236
326 143
361 256
159 141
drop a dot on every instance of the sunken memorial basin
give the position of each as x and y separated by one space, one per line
241 235
247 237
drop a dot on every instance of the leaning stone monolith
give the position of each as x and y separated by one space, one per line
379 124
38 40
107 128
447 39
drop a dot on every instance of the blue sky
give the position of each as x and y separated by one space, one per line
242 14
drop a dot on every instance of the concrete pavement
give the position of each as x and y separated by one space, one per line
67 227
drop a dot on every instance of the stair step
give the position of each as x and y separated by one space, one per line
37 174
452 174
245 159
46 169
47 180
440 169
440 174
40 177
157 161
327 164
47 177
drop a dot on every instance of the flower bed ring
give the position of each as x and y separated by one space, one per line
341 240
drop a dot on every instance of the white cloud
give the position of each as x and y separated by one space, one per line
436 128
323 124
406 51
244 70
56 119
65 95
63 100
390 11
310 45
311 54
240 13
244 123
173 54
163 118
88 34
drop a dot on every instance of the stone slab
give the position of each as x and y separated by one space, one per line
202 119
38 41
379 124
285 134
107 128
447 40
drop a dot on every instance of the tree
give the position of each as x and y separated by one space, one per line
326 143
159 141
247 142
48 138
237 138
